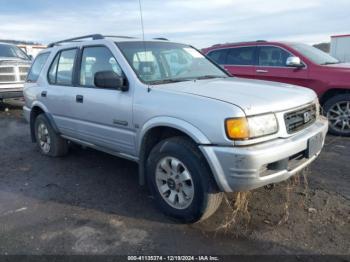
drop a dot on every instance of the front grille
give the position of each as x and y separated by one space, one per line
300 119
8 69
7 78
23 69
23 77
13 74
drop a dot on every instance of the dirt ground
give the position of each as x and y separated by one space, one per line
90 203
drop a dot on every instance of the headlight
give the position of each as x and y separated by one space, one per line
251 127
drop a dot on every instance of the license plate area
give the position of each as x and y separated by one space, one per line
314 145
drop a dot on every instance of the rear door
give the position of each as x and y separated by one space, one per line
238 61
271 66
59 94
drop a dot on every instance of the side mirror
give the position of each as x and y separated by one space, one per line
110 79
294 61
30 57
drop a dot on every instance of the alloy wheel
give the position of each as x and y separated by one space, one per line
174 182
44 138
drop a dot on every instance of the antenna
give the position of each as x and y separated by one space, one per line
143 36
143 31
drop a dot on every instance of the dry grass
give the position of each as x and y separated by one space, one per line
239 214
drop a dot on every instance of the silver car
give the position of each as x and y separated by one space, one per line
195 131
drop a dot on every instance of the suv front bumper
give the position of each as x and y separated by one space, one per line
244 168
14 90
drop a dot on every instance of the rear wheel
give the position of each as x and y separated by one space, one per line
181 181
48 141
337 110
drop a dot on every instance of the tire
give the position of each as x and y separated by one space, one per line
48 141
337 108
188 205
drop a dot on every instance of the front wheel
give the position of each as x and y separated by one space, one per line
337 110
181 181
49 143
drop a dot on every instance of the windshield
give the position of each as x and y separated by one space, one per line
12 51
315 55
164 62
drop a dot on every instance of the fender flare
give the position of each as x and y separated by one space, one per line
163 121
48 116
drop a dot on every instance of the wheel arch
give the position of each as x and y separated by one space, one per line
332 92
36 110
161 128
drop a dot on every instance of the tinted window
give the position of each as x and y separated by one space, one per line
61 70
219 56
273 56
97 59
241 56
37 66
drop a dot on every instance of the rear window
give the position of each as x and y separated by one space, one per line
37 66
61 69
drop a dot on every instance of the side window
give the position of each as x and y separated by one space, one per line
53 70
241 56
97 59
272 56
219 56
37 66
61 69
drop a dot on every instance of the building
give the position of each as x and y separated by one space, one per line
30 49
340 47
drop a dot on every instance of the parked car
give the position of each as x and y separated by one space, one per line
14 66
293 63
194 131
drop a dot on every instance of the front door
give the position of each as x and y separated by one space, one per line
103 116
271 66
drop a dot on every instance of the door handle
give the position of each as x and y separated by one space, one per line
261 71
43 94
79 99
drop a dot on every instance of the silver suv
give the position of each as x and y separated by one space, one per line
194 131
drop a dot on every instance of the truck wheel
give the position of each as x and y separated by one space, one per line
337 110
181 181
49 143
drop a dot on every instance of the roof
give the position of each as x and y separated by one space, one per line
335 36
249 43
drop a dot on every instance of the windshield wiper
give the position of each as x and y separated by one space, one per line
167 81
209 77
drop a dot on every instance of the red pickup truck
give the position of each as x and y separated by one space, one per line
292 63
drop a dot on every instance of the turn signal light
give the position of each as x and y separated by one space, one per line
237 128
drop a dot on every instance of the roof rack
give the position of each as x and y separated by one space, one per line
93 37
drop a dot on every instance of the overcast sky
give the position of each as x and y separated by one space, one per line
198 22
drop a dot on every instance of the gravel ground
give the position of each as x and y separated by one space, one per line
90 203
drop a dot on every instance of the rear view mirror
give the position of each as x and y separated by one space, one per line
294 61
110 79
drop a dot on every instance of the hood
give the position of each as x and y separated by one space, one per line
338 66
253 96
14 59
